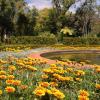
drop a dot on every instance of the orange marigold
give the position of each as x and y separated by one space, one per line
83 93
9 82
3 76
10 77
44 84
83 97
97 86
10 89
17 82
12 68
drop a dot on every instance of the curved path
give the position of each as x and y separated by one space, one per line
41 55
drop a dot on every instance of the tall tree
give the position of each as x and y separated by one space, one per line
61 6
8 9
84 17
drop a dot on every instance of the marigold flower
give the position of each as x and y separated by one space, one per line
97 86
83 93
53 84
59 95
44 76
17 82
39 91
10 77
78 79
31 68
2 72
69 70
83 97
12 68
98 70
80 72
9 82
48 71
48 91
10 89
0 92
68 79
3 76
44 84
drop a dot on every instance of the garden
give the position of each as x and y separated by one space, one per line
50 51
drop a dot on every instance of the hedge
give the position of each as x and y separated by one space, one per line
37 40
81 41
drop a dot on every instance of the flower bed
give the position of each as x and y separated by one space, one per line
30 79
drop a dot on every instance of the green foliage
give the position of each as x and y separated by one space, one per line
81 41
35 40
47 34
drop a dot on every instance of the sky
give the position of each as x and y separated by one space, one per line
40 4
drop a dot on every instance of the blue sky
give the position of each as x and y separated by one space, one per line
40 4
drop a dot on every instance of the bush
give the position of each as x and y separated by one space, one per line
81 41
47 34
37 40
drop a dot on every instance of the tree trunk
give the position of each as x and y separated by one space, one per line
2 35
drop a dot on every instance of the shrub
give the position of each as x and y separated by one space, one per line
81 41
37 40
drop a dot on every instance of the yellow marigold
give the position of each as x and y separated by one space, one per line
10 77
39 91
9 82
3 76
80 72
16 82
68 78
48 71
20 64
97 86
61 71
12 68
69 70
78 79
44 76
10 89
31 68
0 92
56 75
83 93
2 72
53 90
98 70
83 97
59 95
48 91
44 84
53 66
53 84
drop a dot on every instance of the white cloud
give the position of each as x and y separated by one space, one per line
39 4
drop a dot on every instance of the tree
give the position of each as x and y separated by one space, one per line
8 9
41 20
84 17
61 6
